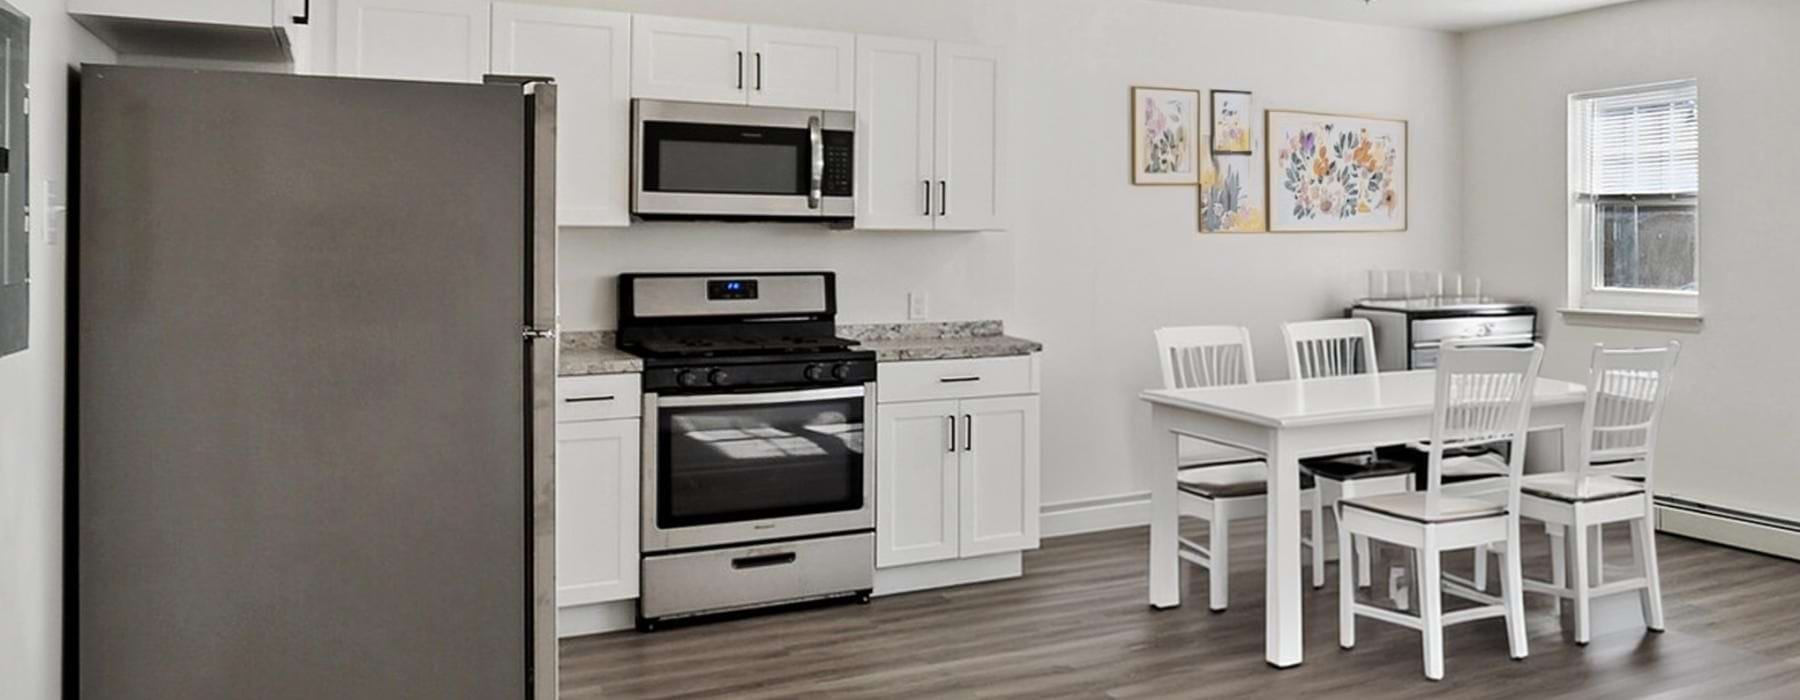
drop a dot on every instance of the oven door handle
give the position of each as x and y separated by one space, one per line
847 392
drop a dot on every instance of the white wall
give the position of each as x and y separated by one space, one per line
31 391
966 275
1729 429
1102 263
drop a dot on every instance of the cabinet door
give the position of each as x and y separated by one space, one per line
413 39
894 121
999 474
915 483
971 137
597 511
588 52
673 58
802 68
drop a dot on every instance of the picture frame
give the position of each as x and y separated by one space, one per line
1165 136
1335 173
1233 122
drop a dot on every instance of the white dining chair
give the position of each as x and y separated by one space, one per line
1335 348
1612 483
1217 483
1483 396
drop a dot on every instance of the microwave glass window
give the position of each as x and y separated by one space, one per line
729 168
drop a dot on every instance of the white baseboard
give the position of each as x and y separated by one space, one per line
1095 514
1728 530
943 574
598 618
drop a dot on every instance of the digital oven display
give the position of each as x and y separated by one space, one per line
730 290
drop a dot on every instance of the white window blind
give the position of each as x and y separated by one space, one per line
1639 141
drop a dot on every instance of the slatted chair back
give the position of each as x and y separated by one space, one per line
1483 397
1626 391
1204 356
1333 348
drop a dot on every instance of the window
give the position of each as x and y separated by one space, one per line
1634 204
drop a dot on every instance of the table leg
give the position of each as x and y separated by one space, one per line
1282 589
1165 572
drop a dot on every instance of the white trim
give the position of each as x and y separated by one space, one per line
1653 320
1729 531
598 618
1095 514
950 572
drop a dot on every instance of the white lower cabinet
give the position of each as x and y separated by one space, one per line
956 477
598 437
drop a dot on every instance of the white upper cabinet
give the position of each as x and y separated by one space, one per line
588 53
674 58
802 68
999 475
894 116
413 39
971 136
930 138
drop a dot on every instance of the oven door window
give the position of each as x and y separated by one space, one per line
721 464
721 159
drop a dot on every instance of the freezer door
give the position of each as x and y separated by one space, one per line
301 388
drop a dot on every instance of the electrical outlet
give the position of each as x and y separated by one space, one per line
918 306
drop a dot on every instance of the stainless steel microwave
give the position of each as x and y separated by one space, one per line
707 161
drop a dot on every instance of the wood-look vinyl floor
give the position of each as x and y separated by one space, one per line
1077 625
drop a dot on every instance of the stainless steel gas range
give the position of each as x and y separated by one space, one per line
758 442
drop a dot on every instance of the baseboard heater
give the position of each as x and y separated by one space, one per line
1753 531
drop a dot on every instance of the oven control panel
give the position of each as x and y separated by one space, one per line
762 376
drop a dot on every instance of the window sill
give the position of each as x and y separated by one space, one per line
1640 320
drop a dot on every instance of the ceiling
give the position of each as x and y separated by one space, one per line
1443 15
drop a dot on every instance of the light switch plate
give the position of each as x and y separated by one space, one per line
918 306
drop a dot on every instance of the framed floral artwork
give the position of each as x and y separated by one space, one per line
1231 194
1165 136
1232 115
1330 172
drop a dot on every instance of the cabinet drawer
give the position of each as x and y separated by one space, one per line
598 397
955 379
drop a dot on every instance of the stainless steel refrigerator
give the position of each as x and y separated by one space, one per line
311 382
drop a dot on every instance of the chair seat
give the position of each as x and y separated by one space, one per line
1200 453
1411 506
1232 481
1571 488
1357 466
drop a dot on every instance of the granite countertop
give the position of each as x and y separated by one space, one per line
582 353
900 342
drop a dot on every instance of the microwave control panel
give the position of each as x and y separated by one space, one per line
840 147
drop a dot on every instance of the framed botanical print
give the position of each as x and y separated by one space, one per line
1231 194
1232 113
1165 136
1329 172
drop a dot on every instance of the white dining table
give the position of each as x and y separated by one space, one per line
1289 420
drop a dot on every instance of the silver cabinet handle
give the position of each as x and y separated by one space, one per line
817 132
952 446
943 197
927 184
740 70
968 433
759 71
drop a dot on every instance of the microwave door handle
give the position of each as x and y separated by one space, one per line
817 192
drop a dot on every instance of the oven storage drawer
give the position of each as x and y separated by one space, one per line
956 379
598 397
722 579
1434 331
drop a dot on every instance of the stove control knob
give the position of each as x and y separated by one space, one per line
689 377
840 372
815 373
719 377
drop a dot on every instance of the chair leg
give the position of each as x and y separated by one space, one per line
1346 592
1318 548
1512 593
1598 552
1559 565
1481 563
1219 574
1431 609
1644 541
1578 536
1363 575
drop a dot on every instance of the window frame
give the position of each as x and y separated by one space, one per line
1585 257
